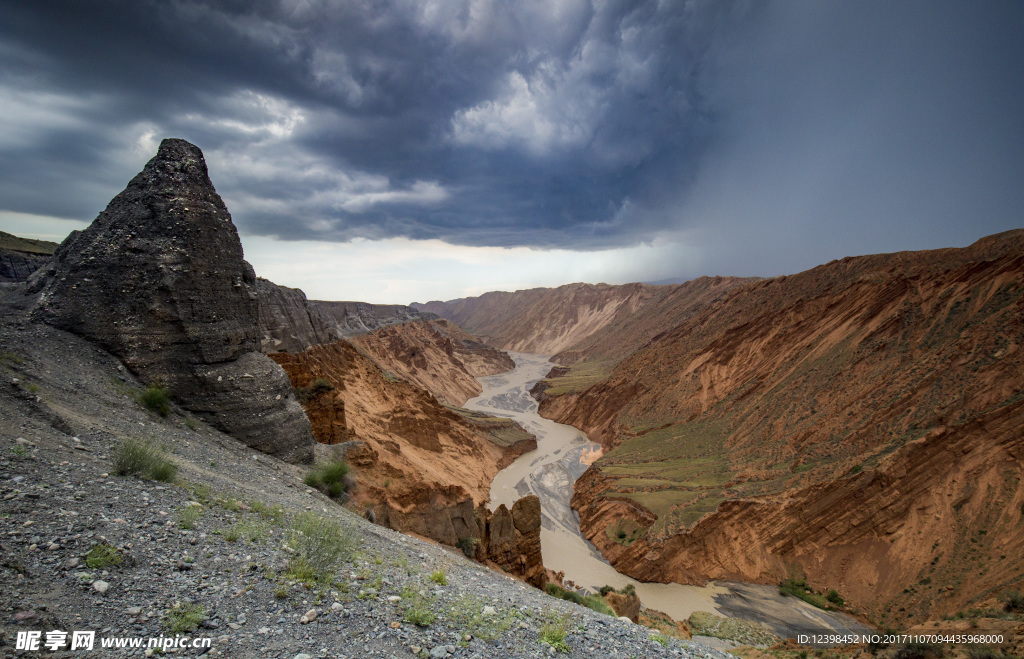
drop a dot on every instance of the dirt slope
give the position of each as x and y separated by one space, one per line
859 422
437 355
422 466
579 321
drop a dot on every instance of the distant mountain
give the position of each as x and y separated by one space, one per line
577 319
20 257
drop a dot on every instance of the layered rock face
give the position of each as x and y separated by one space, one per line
288 323
158 280
437 355
512 540
423 467
20 257
352 318
859 422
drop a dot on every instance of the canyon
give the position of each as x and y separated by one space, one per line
857 424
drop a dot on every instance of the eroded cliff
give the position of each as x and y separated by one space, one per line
437 355
859 422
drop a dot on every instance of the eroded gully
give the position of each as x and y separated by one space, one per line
549 471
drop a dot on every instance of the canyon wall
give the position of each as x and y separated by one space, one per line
859 422
437 355
424 467
352 318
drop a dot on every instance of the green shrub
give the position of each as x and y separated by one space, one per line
439 577
593 602
420 612
468 546
1014 602
102 556
188 516
329 478
140 458
156 399
320 546
833 597
797 587
553 633
658 638
182 618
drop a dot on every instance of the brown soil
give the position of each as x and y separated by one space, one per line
859 422
421 465
437 355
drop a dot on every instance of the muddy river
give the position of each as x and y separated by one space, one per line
562 455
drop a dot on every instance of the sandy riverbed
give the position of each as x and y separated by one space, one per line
550 471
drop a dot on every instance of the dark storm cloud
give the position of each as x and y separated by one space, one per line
819 128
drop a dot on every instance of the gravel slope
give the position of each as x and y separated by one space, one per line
65 406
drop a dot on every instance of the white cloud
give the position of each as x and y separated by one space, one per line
400 270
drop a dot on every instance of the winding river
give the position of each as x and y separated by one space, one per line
562 455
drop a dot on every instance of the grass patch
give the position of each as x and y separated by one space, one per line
439 577
189 515
580 377
182 618
797 587
553 633
155 399
468 615
136 457
271 513
102 556
625 531
250 529
592 602
320 546
329 478
419 610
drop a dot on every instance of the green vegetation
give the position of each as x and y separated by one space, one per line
320 547
593 602
102 556
329 478
183 617
439 577
252 530
468 546
731 629
658 638
580 377
155 399
467 614
553 633
797 587
136 457
419 610
273 514
625 531
189 515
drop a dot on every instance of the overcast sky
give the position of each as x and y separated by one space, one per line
431 149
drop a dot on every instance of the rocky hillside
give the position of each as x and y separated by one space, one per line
288 323
858 423
437 355
159 281
20 257
352 318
